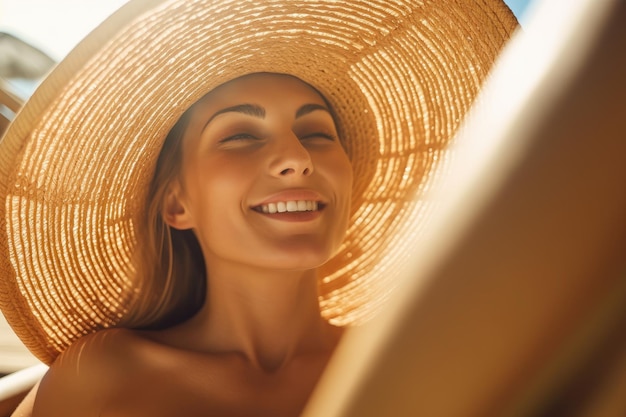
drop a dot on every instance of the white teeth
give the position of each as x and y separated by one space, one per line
289 206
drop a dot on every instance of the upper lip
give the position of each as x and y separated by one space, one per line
292 195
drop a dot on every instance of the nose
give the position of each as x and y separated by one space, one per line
290 157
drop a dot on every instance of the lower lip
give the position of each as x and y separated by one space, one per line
293 216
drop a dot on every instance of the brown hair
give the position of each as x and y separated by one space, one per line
171 273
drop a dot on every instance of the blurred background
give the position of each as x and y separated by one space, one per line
34 35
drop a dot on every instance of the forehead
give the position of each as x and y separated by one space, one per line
260 87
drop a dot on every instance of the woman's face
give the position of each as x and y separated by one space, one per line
265 181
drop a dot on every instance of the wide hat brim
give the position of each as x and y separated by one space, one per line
76 162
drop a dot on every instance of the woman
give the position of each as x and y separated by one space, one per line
257 142
210 273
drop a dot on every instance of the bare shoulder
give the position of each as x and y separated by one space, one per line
91 373
126 373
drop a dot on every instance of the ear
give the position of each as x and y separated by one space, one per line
174 213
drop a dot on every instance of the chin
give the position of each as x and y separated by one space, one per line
297 259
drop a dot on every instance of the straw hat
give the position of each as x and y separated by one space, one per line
76 163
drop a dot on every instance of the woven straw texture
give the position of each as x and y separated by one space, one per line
75 164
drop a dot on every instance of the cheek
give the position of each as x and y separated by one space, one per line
216 187
345 175
217 213
342 178
339 169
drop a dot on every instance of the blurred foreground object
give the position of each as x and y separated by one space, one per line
516 303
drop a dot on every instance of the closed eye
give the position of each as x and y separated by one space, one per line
319 135
238 136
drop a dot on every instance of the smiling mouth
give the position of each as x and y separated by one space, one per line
292 206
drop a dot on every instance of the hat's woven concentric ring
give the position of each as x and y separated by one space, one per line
76 162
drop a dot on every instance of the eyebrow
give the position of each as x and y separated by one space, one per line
248 109
258 111
309 108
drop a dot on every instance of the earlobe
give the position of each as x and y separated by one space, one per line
174 212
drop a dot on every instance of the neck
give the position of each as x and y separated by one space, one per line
267 316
